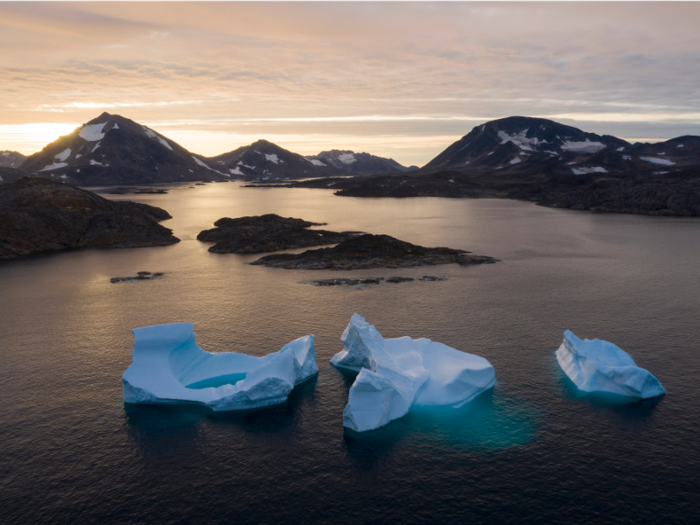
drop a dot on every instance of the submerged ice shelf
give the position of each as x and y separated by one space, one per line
600 366
168 367
396 374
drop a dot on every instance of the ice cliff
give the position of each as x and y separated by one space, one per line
169 367
396 374
600 366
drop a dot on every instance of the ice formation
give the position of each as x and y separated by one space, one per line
600 366
168 367
398 373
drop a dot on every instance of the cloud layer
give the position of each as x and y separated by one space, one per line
396 79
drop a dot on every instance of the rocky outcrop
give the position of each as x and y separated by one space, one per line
371 251
267 233
39 215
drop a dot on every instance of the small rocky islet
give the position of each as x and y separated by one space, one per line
267 233
349 281
140 276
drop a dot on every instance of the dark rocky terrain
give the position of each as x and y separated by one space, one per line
371 251
267 233
11 159
552 165
113 150
8 175
358 164
140 276
349 281
38 215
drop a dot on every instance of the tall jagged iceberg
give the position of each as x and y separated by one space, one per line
396 374
600 366
169 367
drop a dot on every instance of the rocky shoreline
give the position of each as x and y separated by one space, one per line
38 215
674 193
371 251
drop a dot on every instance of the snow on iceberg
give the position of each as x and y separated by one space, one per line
168 367
600 366
396 374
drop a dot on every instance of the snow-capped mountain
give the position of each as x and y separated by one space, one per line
514 140
358 164
11 159
264 160
115 150
524 147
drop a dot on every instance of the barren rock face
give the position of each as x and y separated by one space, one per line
38 215
267 233
371 251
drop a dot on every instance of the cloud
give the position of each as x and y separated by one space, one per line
411 67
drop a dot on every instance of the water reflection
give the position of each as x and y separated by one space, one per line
160 429
627 410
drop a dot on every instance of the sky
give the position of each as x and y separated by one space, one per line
397 79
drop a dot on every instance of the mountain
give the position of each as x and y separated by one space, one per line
552 165
527 148
38 215
358 164
11 159
112 150
264 160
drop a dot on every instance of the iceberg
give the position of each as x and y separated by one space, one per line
600 366
396 374
168 367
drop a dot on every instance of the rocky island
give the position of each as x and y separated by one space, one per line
267 233
39 215
371 251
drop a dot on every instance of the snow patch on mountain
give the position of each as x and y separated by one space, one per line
63 155
346 158
316 162
583 147
92 132
654 160
95 163
519 139
152 134
55 166
96 146
585 171
272 158
516 160
237 171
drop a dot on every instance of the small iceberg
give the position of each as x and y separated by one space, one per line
168 367
600 366
396 374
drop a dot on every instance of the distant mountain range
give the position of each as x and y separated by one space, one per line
358 164
113 150
553 165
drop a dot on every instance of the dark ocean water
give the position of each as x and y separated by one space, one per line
532 450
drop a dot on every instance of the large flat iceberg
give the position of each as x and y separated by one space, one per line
600 366
396 374
168 367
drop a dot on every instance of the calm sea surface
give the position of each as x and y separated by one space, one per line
532 450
